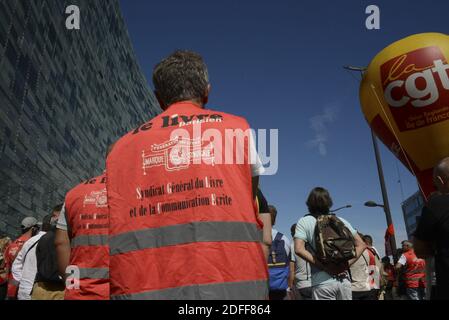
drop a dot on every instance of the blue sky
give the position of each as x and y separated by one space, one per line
279 64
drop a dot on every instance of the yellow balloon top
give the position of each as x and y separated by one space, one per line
405 91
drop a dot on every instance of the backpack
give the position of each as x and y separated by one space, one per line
278 264
47 266
334 242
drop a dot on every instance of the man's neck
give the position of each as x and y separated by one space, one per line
194 102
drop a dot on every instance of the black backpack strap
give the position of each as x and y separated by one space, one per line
29 249
374 252
307 269
367 264
278 236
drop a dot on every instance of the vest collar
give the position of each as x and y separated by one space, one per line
183 104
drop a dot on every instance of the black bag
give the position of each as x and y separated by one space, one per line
47 265
333 240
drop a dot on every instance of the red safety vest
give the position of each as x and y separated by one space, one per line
11 253
87 216
181 228
415 271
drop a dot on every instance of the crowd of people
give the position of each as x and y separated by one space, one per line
364 277
159 225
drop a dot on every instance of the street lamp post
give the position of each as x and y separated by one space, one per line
392 238
344 207
386 204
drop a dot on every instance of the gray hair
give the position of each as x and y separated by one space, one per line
181 76
407 243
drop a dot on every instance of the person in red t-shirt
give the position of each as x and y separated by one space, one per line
390 279
4 243
29 228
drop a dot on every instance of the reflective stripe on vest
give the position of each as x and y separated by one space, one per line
243 290
87 218
414 270
413 279
417 271
89 240
217 231
94 273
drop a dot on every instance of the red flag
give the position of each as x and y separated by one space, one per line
388 234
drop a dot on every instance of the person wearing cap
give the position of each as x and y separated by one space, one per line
24 267
48 285
29 228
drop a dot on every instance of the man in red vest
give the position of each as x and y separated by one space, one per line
181 193
414 272
81 241
29 228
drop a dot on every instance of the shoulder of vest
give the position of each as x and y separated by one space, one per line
227 115
74 192
100 177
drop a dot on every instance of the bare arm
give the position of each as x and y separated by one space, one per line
266 219
62 244
255 185
360 246
291 278
300 250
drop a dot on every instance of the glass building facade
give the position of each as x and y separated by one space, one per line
411 209
65 96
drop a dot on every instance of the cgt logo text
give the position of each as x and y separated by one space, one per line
97 198
416 88
417 78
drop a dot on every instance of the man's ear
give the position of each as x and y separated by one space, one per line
206 95
440 180
161 102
